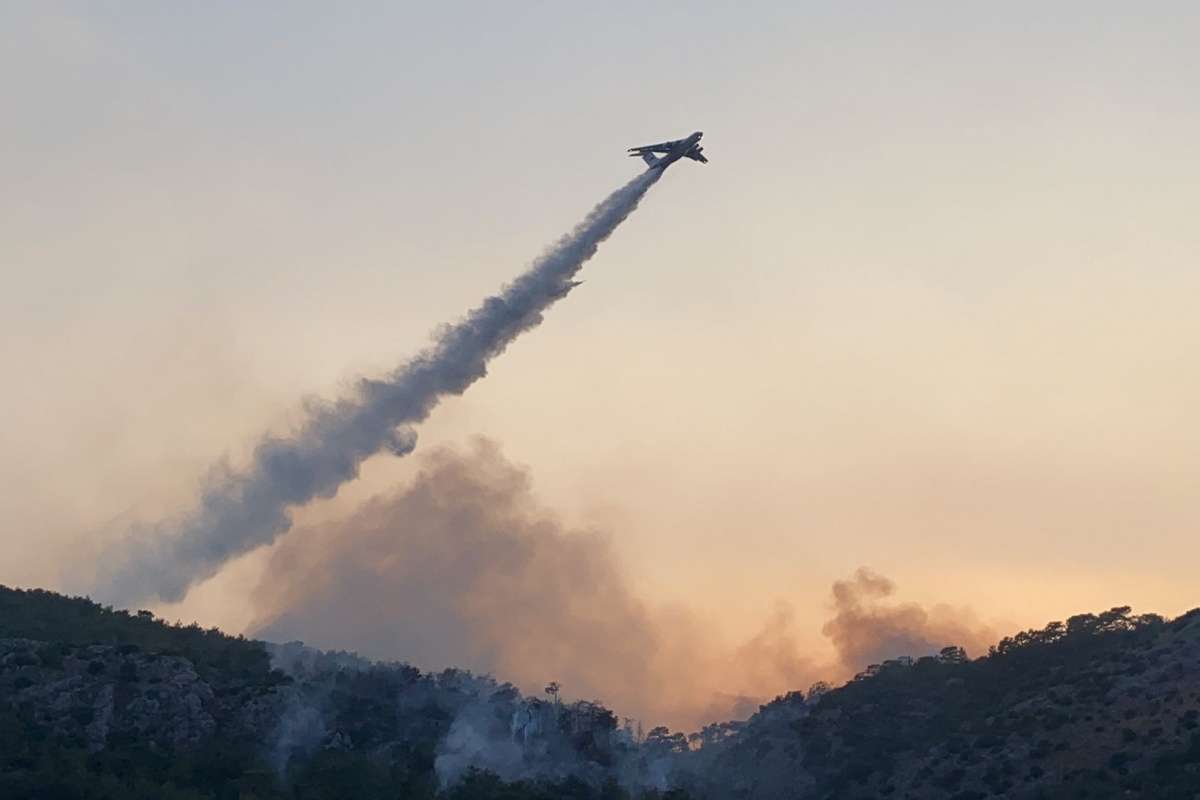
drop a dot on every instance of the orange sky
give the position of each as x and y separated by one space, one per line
930 308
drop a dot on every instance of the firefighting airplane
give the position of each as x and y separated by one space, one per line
671 151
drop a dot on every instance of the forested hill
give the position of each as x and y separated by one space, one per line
1101 706
96 703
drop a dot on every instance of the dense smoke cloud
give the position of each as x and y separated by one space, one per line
463 568
460 569
865 630
241 510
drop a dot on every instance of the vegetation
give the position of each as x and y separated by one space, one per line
97 703
1103 705
49 617
116 735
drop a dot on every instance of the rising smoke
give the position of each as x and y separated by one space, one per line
241 510
463 568
866 629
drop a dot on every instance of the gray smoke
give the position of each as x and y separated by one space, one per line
239 511
867 628
463 567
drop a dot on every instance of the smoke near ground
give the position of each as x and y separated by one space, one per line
241 510
865 629
463 568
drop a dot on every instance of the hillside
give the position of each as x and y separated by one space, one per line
96 703
1100 706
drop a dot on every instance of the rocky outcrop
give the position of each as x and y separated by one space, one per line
95 693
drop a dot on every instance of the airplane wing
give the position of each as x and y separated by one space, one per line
661 147
696 155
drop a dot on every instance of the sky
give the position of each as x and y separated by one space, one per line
928 310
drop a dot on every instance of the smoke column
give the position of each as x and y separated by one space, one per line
239 511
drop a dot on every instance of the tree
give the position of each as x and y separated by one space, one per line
816 690
952 655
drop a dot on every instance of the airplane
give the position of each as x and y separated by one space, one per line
671 151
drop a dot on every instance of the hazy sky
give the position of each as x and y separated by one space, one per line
930 308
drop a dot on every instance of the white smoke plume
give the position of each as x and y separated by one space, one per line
239 511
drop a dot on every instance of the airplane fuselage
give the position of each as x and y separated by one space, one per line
664 154
679 151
